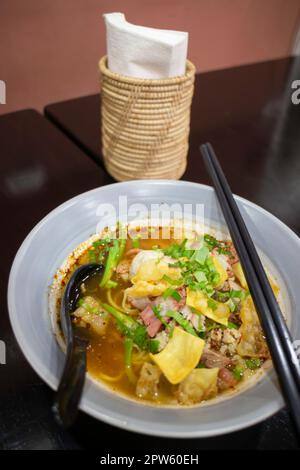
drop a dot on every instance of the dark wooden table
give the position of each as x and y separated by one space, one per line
40 169
247 114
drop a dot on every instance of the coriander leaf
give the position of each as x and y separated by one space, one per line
211 241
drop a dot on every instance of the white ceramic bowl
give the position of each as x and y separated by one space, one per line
49 244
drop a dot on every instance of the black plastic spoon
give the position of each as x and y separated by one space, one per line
70 388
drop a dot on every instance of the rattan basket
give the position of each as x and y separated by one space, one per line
145 124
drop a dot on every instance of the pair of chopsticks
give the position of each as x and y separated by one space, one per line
277 334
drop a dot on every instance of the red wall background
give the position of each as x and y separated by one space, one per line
49 49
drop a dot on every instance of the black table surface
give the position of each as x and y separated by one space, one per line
247 114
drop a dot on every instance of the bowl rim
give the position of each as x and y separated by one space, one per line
49 378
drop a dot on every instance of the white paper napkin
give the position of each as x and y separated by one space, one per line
137 51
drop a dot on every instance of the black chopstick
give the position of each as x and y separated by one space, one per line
280 351
276 313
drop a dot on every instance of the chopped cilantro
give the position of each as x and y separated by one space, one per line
211 241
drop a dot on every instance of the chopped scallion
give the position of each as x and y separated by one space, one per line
238 372
185 324
111 284
170 292
253 363
128 344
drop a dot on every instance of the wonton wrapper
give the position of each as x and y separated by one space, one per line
142 257
199 385
221 271
180 356
239 274
148 280
144 289
155 270
198 300
252 343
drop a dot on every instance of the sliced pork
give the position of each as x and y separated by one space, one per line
213 359
152 323
226 379
139 302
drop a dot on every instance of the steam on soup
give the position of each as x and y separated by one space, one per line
169 321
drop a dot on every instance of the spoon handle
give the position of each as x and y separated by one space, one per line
68 395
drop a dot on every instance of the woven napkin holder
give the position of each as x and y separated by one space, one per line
145 124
